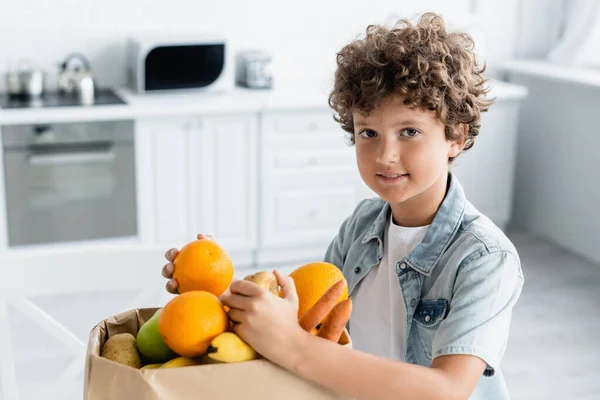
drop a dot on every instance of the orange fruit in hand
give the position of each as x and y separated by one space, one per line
203 265
190 321
312 281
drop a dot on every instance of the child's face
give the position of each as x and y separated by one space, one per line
401 152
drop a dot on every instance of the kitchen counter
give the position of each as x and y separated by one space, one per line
238 100
547 70
152 105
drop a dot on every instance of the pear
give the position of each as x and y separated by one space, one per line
151 344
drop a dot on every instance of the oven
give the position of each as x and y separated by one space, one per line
69 181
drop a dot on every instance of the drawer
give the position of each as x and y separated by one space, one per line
312 159
302 131
300 122
324 140
302 210
312 208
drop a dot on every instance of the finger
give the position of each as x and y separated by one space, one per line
167 270
237 315
240 330
172 286
236 301
246 288
287 287
203 236
171 254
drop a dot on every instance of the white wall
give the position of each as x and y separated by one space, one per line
303 38
303 35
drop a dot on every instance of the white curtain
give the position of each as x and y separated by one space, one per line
579 44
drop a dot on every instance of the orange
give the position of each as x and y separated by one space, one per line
203 265
190 321
312 281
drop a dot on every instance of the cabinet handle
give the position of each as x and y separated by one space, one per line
193 124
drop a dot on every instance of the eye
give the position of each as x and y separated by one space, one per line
368 133
409 132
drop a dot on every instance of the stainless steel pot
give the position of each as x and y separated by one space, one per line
25 82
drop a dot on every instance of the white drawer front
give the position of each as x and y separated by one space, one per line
307 216
329 140
303 130
309 210
312 159
302 122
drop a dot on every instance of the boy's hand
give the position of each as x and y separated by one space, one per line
265 321
169 268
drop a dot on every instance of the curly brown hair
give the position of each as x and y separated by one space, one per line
430 67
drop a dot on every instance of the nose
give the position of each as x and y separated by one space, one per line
389 152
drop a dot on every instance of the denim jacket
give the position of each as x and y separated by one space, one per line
459 284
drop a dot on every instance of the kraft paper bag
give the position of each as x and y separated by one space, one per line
252 380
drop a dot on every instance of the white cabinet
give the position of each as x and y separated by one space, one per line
278 195
274 186
309 184
487 171
198 175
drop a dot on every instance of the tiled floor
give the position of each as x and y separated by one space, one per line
554 348
553 353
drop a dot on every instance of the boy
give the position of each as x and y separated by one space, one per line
433 281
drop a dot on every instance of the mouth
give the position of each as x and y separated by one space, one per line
388 177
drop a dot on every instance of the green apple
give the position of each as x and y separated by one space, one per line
151 344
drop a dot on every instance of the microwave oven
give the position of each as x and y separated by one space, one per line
201 62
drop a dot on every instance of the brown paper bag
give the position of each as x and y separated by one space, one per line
252 380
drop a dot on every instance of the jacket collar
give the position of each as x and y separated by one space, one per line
443 228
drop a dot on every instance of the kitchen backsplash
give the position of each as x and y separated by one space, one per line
302 37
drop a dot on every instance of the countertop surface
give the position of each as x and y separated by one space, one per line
549 70
173 104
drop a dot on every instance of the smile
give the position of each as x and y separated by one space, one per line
391 178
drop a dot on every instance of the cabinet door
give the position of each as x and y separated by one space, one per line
162 178
222 182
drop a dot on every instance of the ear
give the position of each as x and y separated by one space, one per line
456 146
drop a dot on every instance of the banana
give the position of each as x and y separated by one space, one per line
229 347
151 366
206 360
179 362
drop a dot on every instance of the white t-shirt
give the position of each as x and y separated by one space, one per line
379 315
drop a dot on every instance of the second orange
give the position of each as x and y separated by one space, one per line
203 265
